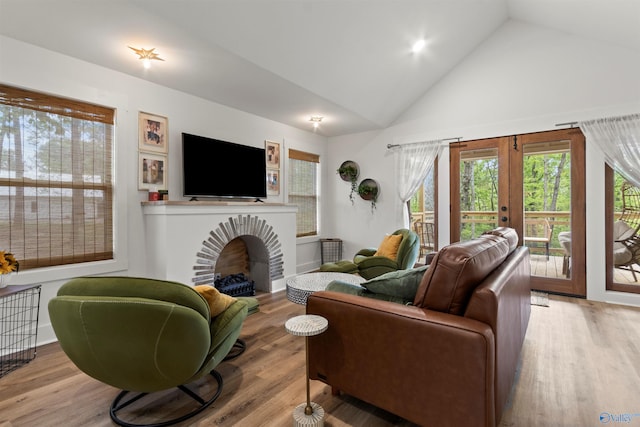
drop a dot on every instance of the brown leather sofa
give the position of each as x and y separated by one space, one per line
449 359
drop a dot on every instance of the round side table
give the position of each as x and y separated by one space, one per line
306 325
301 286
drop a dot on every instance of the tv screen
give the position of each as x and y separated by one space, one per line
215 168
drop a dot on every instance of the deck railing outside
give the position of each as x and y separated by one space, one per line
475 223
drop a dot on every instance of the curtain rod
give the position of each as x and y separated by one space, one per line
570 124
457 138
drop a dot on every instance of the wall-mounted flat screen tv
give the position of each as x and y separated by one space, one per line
215 168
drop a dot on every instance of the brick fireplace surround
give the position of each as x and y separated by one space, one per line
183 240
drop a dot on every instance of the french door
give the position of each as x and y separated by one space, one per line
533 183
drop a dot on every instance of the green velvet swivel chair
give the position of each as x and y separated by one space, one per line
143 336
371 265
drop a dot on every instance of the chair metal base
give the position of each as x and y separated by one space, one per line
238 348
117 406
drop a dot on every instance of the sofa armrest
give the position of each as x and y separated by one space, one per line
503 301
404 359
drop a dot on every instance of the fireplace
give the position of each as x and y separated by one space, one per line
192 242
243 244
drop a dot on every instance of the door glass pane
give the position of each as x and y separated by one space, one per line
547 207
478 192
626 244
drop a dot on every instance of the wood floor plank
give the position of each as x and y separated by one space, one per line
580 359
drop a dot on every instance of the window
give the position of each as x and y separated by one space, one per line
622 214
55 179
303 191
424 204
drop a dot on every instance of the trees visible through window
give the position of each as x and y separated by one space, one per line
547 198
423 202
478 192
546 190
55 179
303 190
423 210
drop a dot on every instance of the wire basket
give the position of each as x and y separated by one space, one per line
19 306
331 250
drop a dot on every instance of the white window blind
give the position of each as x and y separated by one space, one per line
55 179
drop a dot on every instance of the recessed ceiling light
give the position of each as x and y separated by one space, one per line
418 46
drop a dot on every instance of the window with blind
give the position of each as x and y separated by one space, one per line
303 190
55 179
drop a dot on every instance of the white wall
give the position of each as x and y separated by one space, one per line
28 66
523 79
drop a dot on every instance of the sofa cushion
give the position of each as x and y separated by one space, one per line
389 246
622 230
342 266
508 233
457 269
401 283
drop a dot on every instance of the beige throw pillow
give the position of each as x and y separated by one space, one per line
218 302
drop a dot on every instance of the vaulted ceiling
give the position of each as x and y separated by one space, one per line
349 61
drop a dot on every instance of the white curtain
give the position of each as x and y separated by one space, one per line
413 163
619 139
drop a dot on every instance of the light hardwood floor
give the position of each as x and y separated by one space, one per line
580 359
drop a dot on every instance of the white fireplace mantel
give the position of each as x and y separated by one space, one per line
176 232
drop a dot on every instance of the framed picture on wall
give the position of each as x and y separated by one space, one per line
273 182
153 133
272 152
152 171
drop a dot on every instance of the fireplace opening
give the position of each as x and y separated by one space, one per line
246 245
248 256
233 259
236 285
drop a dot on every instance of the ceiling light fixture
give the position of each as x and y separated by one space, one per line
316 121
146 55
418 46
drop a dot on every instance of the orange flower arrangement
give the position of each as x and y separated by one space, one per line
8 263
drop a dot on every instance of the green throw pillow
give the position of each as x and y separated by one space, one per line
345 287
401 283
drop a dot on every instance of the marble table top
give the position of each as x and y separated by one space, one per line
301 286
